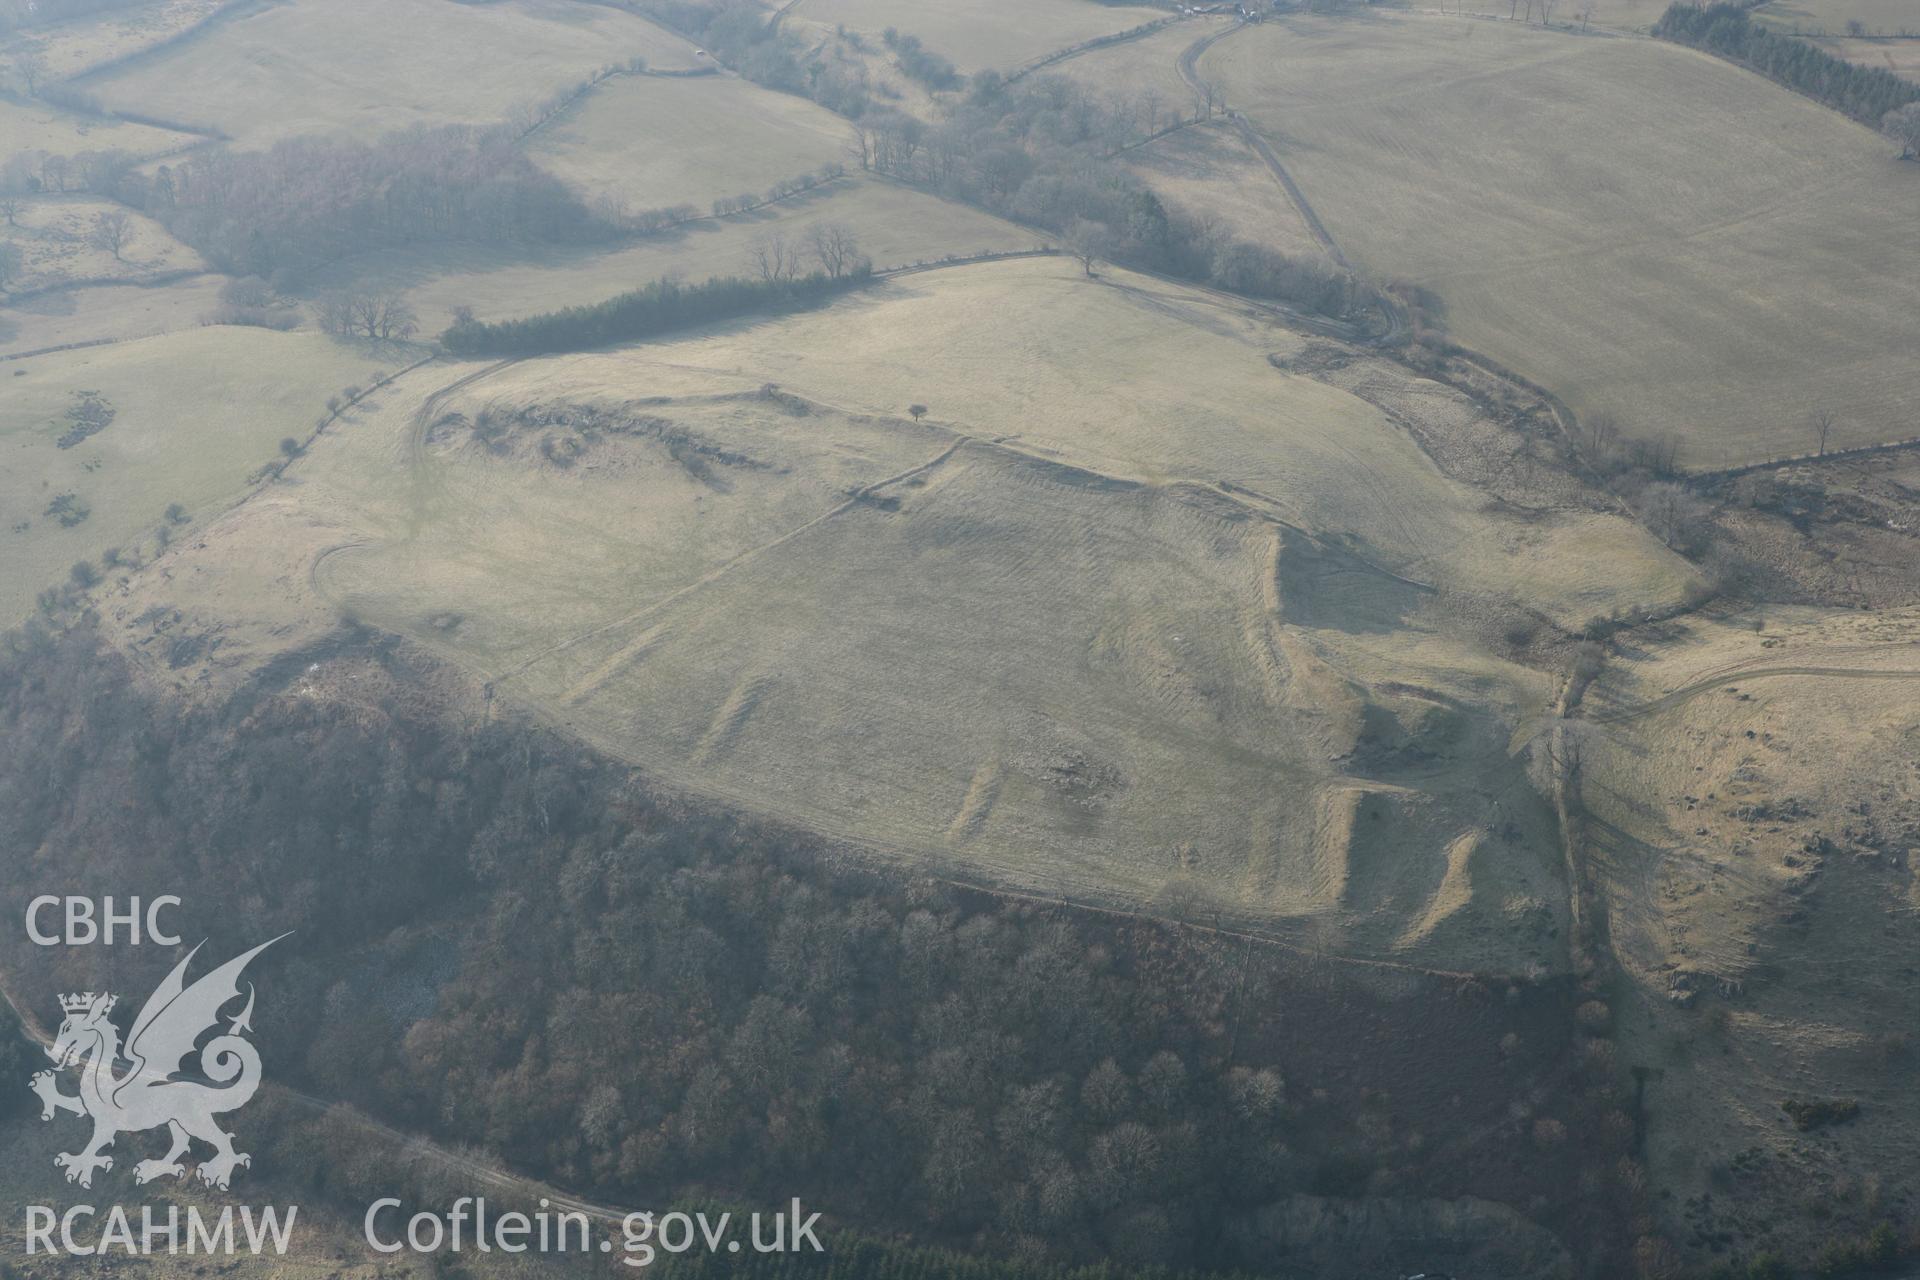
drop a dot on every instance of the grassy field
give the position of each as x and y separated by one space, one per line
894 226
193 414
1210 170
1570 15
27 125
1902 57
366 67
1753 796
110 311
1720 282
1879 17
998 34
1145 680
652 142
72 48
1147 65
54 238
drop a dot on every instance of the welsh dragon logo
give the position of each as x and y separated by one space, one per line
147 1095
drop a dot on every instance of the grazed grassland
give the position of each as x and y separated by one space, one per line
1576 15
366 67
55 239
1720 281
1221 658
1831 16
106 312
654 142
27 125
1149 65
1902 57
893 225
1211 171
194 414
73 48
1000 34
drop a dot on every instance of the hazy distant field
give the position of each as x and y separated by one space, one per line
1832 16
35 126
1625 15
1000 34
1902 57
53 235
109 311
894 226
365 67
653 142
194 413
1719 281
71 48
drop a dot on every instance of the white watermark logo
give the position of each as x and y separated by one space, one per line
473 1224
146 1095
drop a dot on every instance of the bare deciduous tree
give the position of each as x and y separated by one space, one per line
1600 437
30 68
775 258
1820 422
835 248
110 231
382 317
10 210
1151 104
1658 453
1676 516
1089 242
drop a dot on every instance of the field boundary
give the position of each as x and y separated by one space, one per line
1168 132
65 346
1688 692
160 281
1071 51
224 13
1204 89
1798 459
1326 326
966 260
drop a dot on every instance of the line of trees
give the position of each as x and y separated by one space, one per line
1041 150
738 34
920 64
28 172
1867 94
660 307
